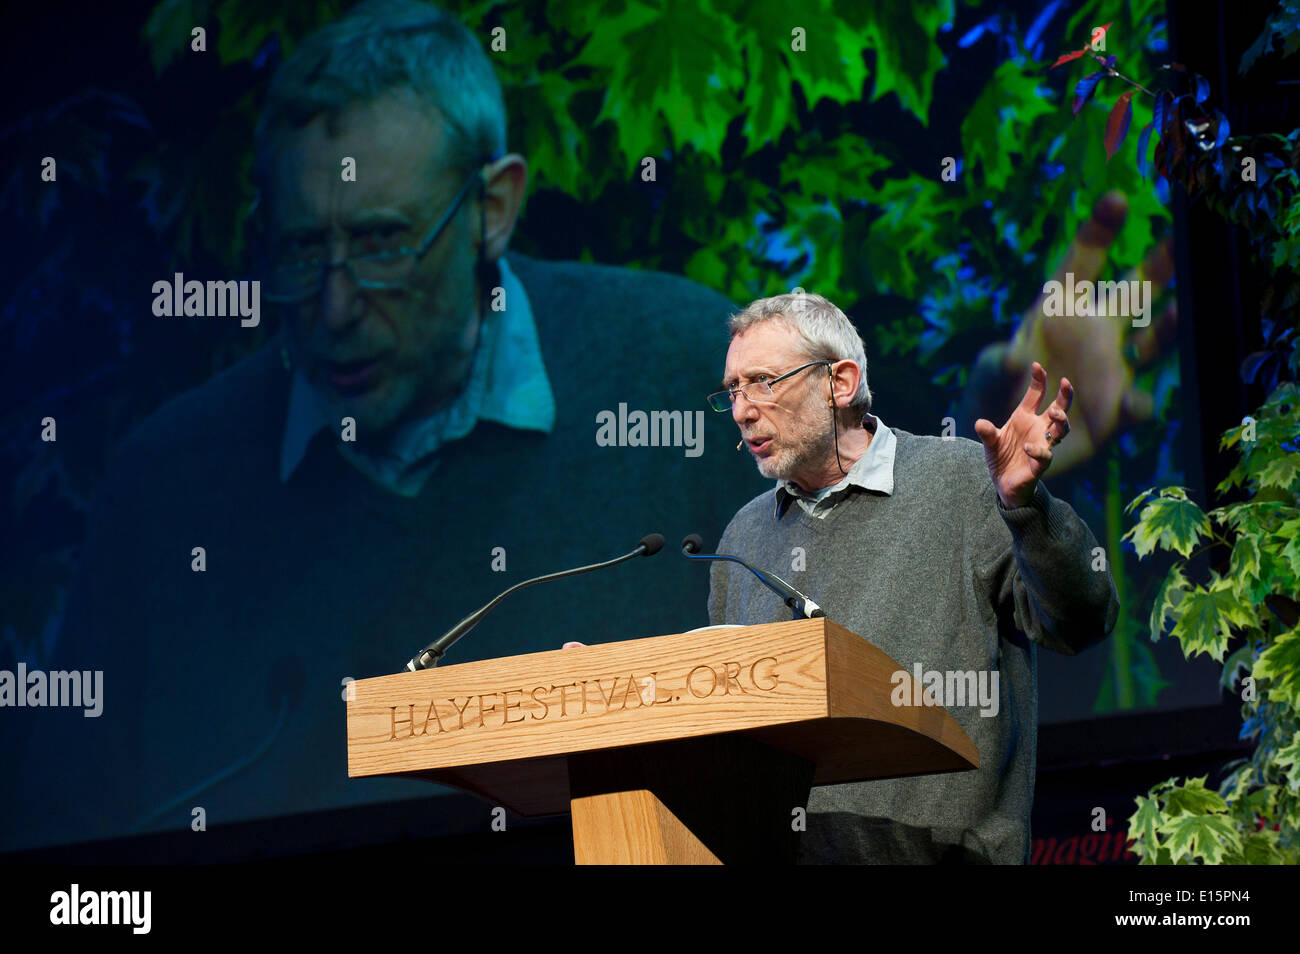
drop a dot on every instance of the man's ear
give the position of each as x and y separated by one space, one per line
845 376
505 182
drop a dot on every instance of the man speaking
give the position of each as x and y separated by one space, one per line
944 557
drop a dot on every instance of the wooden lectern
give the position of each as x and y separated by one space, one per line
696 748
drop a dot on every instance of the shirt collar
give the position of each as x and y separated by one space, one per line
874 470
508 384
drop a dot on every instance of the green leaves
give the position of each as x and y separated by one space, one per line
557 149
907 59
243 26
1257 820
1265 462
995 133
1188 824
1144 825
1171 592
1193 798
831 65
680 78
167 31
1283 28
1257 848
683 70
1289 758
1169 521
1205 619
680 62
901 241
1280 471
1280 665
840 167
1204 838
1183 824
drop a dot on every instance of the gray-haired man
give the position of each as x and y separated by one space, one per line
942 556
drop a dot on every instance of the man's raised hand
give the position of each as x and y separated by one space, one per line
1019 452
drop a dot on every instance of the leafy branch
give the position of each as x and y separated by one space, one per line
1254 817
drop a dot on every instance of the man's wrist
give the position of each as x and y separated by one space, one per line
1017 503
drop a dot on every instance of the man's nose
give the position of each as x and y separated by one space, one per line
742 410
341 303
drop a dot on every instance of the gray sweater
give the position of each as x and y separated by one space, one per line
936 574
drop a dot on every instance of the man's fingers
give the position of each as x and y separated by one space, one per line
1064 395
1037 385
986 431
1039 451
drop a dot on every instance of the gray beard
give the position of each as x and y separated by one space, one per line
814 448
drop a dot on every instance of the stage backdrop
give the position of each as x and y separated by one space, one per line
918 164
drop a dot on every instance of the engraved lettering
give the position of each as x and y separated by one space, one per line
753 675
460 710
541 702
564 696
432 714
509 704
731 678
631 691
659 700
713 681
483 712
410 720
637 692
609 699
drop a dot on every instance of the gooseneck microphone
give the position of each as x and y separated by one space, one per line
429 656
800 605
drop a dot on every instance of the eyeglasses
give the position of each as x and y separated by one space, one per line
762 388
297 280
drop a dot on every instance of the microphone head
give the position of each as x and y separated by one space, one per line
692 543
653 543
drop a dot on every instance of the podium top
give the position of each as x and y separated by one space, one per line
503 727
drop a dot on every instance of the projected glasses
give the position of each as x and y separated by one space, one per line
301 269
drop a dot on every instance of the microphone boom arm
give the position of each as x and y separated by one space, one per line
800 605
430 655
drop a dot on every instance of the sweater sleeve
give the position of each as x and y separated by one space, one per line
1051 573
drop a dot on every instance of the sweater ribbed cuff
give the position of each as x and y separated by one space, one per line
1037 514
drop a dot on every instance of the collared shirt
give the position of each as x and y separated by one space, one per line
874 470
508 384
